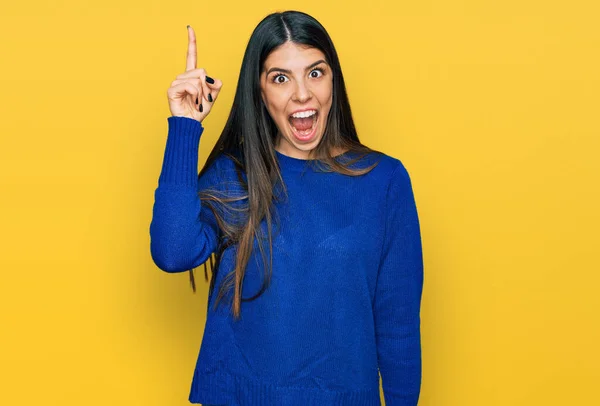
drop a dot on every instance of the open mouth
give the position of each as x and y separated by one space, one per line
304 124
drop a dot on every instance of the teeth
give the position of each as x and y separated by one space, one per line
305 132
303 114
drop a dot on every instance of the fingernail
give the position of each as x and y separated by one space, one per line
188 27
200 107
210 80
209 98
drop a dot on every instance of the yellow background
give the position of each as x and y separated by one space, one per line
492 106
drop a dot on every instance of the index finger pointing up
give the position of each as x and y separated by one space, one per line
191 53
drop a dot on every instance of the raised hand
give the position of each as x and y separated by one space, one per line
192 94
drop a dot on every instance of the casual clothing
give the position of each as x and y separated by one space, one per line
345 294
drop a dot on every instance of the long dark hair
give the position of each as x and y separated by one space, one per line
249 138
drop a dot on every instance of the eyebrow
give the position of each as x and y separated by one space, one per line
289 71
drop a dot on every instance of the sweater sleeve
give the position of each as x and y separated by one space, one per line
183 233
398 296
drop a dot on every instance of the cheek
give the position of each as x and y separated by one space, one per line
325 96
277 103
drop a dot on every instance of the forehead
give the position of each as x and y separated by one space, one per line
293 56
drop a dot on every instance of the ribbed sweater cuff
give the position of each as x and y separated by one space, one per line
180 163
393 400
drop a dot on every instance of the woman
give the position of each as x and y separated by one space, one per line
318 231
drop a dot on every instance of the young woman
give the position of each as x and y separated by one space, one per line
314 236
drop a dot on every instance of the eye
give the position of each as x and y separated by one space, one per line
276 78
316 70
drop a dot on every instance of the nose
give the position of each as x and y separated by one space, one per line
302 92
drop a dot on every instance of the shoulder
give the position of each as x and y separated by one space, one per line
220 172
389 168
392 180
399 189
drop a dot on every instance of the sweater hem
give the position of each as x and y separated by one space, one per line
222 388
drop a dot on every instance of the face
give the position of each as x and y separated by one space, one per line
296 87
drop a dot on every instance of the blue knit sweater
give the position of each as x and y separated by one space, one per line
345 294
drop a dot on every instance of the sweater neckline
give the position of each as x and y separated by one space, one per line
287 161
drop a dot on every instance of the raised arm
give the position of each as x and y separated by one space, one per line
183 233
